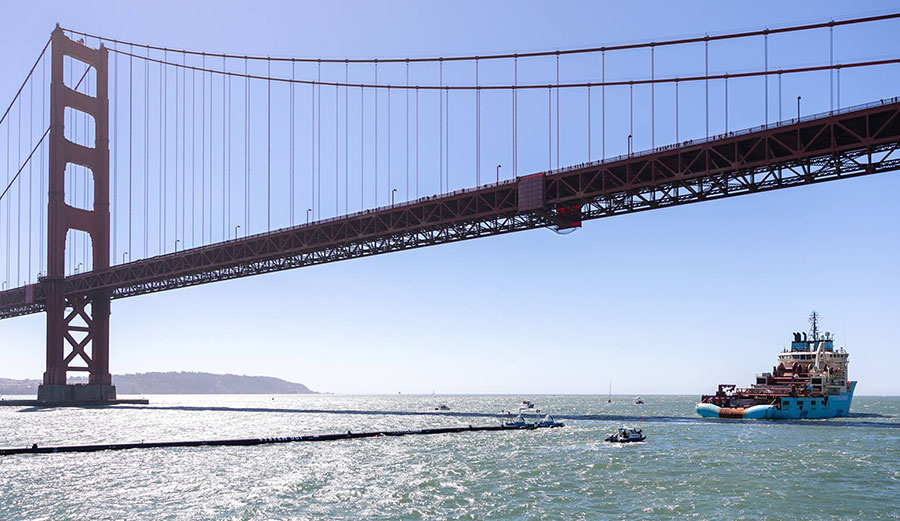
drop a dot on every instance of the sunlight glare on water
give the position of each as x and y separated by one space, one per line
847 468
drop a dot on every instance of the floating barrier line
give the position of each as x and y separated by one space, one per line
349 435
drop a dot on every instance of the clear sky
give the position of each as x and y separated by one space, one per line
669 301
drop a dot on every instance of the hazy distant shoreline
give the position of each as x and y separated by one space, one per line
177 383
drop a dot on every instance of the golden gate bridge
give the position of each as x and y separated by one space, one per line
133 168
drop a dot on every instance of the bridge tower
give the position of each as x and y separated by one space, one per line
77 325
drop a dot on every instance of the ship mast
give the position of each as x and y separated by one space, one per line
814 331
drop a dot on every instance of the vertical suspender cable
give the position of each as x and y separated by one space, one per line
115 155
375 93
318 207
706 81
406 92
549 129
72 191
389 143
630 117
177 106
477 127
447 142
225 129
362 148
130 128
766 77
165 147
839 88
676 112
417 142
291 198
589 124
246 151
42 193
227 225
269 145
203 156
193 156
19 194
312 151
726 103
248 178
557 110
515 117
211 147
146 207
652 97
779 96
603 105
30 178
441 127
84 173
336 150
8 205
831 62
347 138
159 169
183 147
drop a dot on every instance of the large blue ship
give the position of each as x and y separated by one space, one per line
810 381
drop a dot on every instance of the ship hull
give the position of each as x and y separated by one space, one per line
792 408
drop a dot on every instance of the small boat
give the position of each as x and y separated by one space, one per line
526 405
548 421
442 407
626 435
518 423
639 401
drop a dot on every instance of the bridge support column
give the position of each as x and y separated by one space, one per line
77 324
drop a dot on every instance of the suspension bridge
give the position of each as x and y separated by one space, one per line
133 168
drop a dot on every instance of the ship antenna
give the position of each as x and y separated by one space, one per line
814 320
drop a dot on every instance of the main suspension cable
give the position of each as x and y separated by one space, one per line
507 56
515 86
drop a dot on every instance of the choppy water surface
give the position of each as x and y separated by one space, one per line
846 468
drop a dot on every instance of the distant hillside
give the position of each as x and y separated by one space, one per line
177 383
9 386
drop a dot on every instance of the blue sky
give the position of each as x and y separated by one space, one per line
670 301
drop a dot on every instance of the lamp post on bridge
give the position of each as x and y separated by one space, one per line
176 244
629 144
394 191
308 210
498 173
4 285
236 228
77 268
124 254
798 109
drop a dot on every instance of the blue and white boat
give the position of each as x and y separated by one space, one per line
810 381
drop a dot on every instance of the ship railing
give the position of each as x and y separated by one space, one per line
772 390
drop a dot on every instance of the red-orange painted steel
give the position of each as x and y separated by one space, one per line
848 144
90 307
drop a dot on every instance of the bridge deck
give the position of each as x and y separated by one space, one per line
850 143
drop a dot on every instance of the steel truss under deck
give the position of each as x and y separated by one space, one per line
851 143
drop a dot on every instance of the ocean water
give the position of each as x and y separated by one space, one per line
846 468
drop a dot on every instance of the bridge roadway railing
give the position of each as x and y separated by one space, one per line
843 144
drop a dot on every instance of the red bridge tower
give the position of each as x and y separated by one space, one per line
77 325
